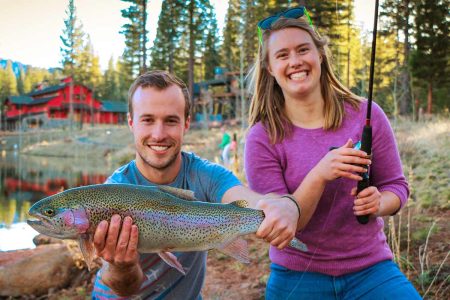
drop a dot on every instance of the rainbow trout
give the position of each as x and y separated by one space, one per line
168 219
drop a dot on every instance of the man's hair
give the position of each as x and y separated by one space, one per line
267 105
160 80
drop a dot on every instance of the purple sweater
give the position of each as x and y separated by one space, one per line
337 243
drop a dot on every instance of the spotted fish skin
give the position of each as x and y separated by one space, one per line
168 219
165 221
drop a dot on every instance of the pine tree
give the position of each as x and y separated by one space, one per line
90 73
3 91
27 84
10 80
430 60
181 62
211 56
8 83
396 17
21 81
123 79
109 88
386 64
95 72
230 47
252 12
330 19
167 36
134 55
72 39
81 72
198 18
187 30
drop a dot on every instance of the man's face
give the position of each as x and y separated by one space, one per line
158 126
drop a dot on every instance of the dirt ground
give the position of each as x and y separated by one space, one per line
229 279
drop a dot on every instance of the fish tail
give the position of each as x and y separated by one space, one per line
299 245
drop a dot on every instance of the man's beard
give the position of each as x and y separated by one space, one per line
161 165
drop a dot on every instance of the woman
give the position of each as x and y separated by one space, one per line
300 111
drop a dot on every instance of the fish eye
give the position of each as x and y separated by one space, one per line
49 212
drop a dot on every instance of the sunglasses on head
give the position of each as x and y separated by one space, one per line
292 13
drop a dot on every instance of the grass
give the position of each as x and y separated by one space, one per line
418 235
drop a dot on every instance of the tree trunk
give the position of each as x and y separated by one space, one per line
171 44
144 37
191 50
405 96
430 97
348 45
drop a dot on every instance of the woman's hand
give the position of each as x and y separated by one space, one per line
342 162
280 222
367 202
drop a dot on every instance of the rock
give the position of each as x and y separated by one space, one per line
37 271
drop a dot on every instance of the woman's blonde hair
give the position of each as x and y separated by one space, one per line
267 105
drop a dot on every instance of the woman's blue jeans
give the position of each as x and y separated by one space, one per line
383 280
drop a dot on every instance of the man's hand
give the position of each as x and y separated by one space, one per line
280 224
367 202
116 243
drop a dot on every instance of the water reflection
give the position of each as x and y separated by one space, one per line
27 179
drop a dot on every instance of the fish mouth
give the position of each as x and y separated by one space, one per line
35 222
44 226
39 224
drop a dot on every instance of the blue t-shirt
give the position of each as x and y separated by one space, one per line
209 182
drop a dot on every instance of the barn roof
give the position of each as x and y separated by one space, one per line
114 106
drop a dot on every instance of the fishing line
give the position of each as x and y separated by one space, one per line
366 137
319 243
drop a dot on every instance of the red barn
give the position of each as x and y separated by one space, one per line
51 107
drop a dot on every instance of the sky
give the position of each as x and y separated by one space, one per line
30 29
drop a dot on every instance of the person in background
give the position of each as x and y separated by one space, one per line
299 111
159 116
225 145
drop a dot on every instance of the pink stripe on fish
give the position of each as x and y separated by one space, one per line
81 220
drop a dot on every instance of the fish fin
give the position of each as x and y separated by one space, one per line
172 261
240 203
238 249
299 245
180 193
87 249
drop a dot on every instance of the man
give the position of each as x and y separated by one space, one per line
158 118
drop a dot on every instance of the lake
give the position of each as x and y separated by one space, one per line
25 179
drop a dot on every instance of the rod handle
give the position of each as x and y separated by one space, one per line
364 183
366 145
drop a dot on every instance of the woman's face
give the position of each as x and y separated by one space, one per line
294 62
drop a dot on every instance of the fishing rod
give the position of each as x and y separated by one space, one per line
366 137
